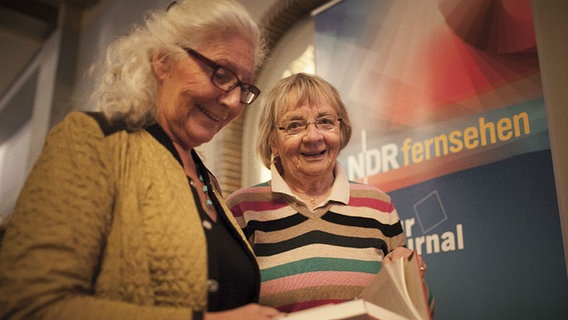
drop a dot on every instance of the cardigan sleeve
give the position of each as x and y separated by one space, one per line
56 237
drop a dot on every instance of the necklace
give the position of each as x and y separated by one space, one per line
311 201
204 182
205 189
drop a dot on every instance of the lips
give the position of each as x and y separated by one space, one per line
313 154
208 113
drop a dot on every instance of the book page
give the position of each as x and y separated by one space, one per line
389 289
416 286
350 310
387 292
383 313
328 311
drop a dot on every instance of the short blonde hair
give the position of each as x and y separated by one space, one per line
289 93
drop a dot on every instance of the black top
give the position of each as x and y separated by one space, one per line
233 276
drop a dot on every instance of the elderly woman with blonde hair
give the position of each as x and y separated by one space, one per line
319 238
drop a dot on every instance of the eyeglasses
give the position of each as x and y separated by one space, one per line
325 123
226 79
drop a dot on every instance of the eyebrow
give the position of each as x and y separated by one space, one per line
298 117
229 65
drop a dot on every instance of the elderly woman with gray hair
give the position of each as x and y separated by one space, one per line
318 237
119 218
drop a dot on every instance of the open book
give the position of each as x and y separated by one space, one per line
397 293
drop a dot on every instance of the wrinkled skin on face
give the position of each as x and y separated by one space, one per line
310 156
190 109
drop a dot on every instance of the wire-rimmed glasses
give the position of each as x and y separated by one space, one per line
324 123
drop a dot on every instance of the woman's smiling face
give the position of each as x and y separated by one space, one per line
191 110
311 153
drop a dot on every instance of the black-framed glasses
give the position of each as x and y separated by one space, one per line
324 123
226 79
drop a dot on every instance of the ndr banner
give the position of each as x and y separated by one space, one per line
448 114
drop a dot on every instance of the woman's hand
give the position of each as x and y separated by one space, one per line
402 252
250 311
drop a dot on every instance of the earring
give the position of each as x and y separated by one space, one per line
273 157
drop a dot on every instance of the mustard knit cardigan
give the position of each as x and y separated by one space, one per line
105 227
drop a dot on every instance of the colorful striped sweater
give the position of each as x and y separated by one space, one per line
309 258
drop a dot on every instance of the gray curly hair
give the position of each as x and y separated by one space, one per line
126 88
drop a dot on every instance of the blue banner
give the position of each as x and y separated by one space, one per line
448 114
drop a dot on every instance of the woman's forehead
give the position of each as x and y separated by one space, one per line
308 104
234 52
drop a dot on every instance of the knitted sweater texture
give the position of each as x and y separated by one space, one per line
313 257
106 227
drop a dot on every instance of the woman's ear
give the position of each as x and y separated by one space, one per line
160 64
273 147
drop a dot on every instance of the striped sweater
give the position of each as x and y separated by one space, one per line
308 258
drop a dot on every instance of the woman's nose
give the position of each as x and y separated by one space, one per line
312 131
232 99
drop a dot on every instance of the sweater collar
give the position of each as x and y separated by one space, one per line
339 189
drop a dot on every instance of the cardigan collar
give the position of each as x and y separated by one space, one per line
160 135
